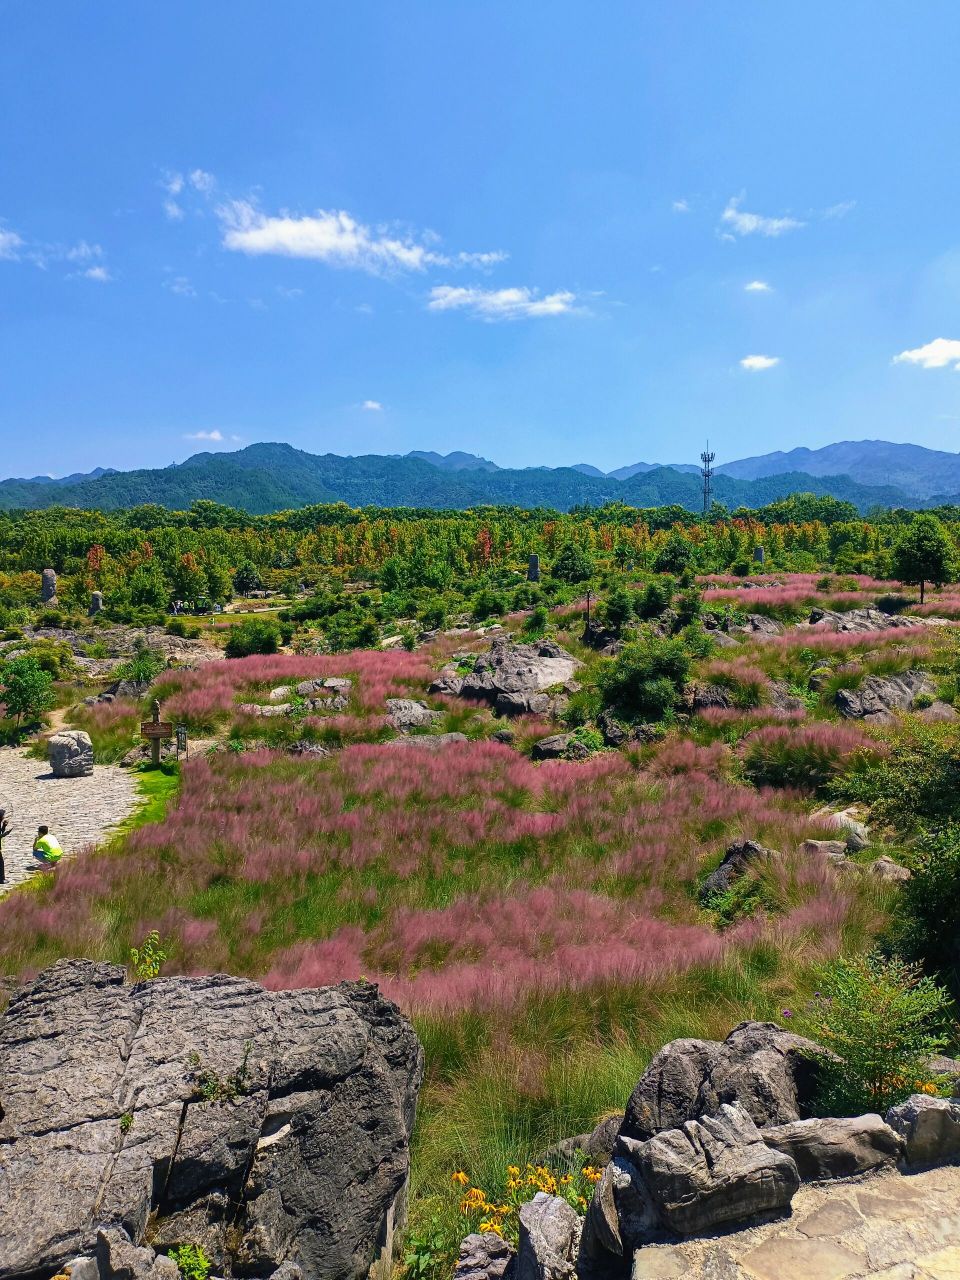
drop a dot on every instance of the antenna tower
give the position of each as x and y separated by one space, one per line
706 472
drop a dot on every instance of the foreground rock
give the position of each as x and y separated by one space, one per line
406 714
828 1148
929 1127
878 697
549 1239
484 1256
271 1127
71 754
768 1071
513 677
740 857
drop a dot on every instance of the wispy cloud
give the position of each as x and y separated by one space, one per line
501 304
758 286
16 248
372 406
100 274
214 435
937 354
337 239
10 245
681 206
202 181
182 286
840 210
742 223
756 364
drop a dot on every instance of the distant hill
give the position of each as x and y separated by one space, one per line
273 477
454 461
919 472
639 468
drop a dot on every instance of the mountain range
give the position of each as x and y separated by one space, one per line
263 478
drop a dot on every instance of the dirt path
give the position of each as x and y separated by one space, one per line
79 811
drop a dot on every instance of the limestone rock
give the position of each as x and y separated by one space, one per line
739 857
712 1171
858 620
888 871
854 832
296 1105
834 851
70 753
549 1239
119 1259
768 1071
707 697
596 1146
930 1127
878 697
405 714
831 1148
938 712
622 1214
757 624
484 1256
281 693
512 677
428 741
48 586
263 712
559 746
614 733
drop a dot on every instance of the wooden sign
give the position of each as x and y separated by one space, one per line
156 729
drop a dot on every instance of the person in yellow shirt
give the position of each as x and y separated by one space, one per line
46 848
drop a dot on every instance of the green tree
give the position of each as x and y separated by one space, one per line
676 554
25 688
645 680
924 553
572 564
254 635
245 577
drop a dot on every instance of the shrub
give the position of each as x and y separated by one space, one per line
917 782
655 598
536 623
192 1261
254 635
572 564
807 757
644 681
928 930
488 604
25 689
618 610
178 627
143 666
883 1021
147 960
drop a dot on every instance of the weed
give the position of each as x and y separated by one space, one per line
147 960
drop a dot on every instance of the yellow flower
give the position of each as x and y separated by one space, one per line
514 1184
566 1180
460 1177
493 1226
513 1170
475 1197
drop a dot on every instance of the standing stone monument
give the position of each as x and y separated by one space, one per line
96 603
533 568
71 754
48 586
758 555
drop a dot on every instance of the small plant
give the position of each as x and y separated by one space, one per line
428 1252
592 739
192 1261
126 1122
212 1087
881 1022
147 960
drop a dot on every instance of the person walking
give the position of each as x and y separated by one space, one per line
46 848
4 831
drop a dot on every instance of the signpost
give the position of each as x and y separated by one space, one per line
156 731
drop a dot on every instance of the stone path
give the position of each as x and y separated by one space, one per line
79 811
889 1227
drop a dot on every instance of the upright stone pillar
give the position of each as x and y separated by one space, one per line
758 555
533 568
96 603
48 587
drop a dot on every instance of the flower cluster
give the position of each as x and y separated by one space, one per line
499 1213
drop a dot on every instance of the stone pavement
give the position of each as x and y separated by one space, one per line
79 811
890 1227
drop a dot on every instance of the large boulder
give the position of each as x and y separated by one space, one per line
930 1128
858 620
513 677
406 714
740 856
878 697
484 1256
168 1100
830 1148
549 1239
711 1171
768 1071
70 753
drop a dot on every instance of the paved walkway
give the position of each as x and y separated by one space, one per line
888 1227
79 811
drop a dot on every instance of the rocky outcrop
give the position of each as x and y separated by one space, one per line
859 620
549 1239
710 697
272 1126
70 753
740 857
484 1256
929 1127
877 698
428 741
559 746
513 677
596 1147
768 1071
756 624
831 1148
406 714
855 833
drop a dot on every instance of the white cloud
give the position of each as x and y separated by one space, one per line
172 184
840 210
372 406
758 286
755 364
206 435
202 181
681 206
334 237
934 355
748 224
182 286
289 293
500 304
172 210
100 274
83 252
10 245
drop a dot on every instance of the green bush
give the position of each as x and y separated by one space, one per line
916 783
143 666
644 682
882 1022
488 604
928 927
536 624
192 1261
655 598
254 635
26 690
572 564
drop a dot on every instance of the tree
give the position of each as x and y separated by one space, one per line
572 564
246 577
255 635
646 679
924 553
676 554
25 688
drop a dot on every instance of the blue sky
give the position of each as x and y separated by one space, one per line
528 231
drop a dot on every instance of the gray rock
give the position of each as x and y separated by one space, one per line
263 712
596 1146
888 871
82 1269
739 857
713 1171
281 693
119 1259
614 733
405 714
449 681
708 697
428 741
855 833
622 1215
48 587
556 747
512 677
757 624
504 736
96 603
858 620
930 1127
549 1239
878 697
829 1148
288 1271
833 850
298 1105
484 1256
938 712
332 684
303 747
768 1071
943 1066
70 753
